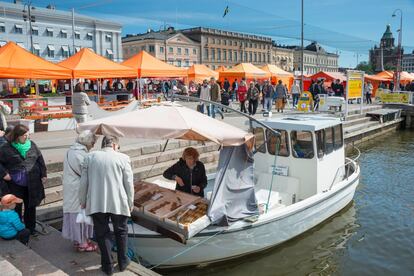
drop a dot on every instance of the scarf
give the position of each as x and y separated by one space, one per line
22 148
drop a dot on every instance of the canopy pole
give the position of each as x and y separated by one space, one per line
71 86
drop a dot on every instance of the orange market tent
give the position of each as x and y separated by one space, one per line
406 77
86 64
221 68
277 74
375 80
244 70
200 72
329 76
148 66
386 74
18 63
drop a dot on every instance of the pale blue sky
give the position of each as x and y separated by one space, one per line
346 26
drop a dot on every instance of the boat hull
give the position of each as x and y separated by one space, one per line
216 245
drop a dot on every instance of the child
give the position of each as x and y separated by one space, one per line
10 225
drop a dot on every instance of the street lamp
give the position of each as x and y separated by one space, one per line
397 85
31 19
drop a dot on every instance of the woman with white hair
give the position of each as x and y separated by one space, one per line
78 233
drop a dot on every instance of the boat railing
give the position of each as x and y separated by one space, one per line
350 166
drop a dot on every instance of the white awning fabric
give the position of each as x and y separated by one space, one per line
89 34
51 47
36 28
77 49
109 51
2 43
18 26
2 24
77 32
49 29
65 48
64 31
36 46
21 44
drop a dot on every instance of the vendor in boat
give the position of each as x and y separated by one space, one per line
189 173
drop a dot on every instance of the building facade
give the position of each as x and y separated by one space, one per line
408 62
282 57
226 48
315 59
384 57
53 36
167 45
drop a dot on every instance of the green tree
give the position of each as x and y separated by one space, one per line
366 67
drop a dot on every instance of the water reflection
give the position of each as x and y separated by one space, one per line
312 253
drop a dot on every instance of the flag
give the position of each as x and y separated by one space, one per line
226 11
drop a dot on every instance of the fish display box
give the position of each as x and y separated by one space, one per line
176 211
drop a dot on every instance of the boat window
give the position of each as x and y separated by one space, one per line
260 139
302 144
320 142
280 142
339 141
329 140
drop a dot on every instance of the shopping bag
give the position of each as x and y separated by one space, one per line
83 218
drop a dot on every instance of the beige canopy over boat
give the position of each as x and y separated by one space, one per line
169 121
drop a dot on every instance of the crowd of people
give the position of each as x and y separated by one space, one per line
248 95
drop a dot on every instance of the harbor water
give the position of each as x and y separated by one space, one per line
374 235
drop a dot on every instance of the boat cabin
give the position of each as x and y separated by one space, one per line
304 159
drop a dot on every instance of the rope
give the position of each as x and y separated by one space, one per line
187 250
274 168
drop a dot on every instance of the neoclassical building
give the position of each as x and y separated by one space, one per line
282 56
167 45
53 36
315 59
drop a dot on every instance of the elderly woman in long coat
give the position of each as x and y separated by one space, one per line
78 233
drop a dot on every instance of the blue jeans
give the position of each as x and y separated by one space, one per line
268 104
213 110
295 98
202 106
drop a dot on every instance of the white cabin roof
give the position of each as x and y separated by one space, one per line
301 122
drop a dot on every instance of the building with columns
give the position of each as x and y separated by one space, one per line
167 45
408 62
315 59
282 57
226 48
53 36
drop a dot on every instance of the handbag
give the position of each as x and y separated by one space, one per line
83 218
19 177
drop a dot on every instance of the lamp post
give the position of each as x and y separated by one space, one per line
397 84
31 19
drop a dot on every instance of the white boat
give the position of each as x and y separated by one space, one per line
308 180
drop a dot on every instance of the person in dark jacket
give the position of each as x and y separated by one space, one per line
189 173
23 168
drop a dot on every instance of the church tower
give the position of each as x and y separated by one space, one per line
387 40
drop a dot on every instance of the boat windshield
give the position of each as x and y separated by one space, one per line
302 144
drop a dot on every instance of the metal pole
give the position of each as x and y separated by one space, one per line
399 58
301 61
29 6
73 31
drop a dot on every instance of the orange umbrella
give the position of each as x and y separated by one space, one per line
87 64
151 67
18 63
200 72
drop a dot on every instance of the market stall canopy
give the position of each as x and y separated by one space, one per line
200 72
406 77
18 63
87 64
221 68
245 70
375 78
277 74
329 76
147 66
169 121
385 74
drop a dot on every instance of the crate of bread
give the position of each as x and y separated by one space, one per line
174 210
